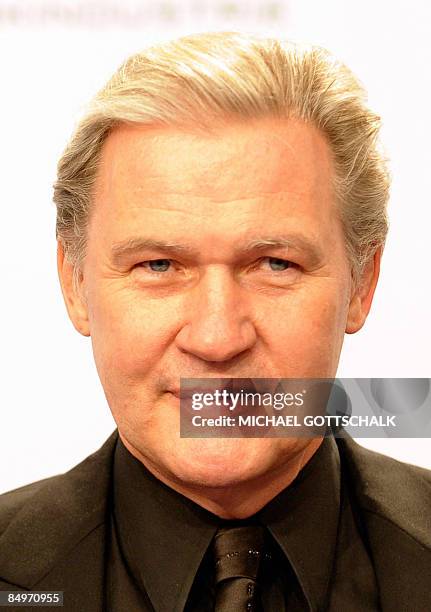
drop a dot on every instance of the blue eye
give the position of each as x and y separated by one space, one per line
159 265
279 265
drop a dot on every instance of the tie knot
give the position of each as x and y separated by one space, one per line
238 552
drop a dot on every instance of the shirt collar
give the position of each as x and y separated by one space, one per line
304 520
165 535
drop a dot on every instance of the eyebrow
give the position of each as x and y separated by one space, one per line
125 249
122 251
298 242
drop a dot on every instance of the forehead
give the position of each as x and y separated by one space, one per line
233 162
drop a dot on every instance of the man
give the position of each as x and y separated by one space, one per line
221 213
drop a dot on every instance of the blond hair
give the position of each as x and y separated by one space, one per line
205 79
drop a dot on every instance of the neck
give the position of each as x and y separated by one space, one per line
243 499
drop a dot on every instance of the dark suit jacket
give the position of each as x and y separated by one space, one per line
53 532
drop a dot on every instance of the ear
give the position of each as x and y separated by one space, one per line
73 297
362 295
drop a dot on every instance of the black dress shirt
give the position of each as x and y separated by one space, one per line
159 551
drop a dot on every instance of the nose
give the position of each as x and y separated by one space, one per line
218 325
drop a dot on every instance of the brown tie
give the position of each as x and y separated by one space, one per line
237 555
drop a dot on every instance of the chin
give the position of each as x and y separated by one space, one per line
214 477
219 462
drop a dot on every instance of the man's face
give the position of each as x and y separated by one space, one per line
187 274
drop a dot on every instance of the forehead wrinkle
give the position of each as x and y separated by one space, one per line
168 199
215 173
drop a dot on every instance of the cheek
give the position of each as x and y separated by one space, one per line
127 337
311 325
327 320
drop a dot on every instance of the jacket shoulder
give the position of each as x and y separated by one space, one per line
13 501
393 503
393 491
49 517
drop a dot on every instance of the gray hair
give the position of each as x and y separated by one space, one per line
206 79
